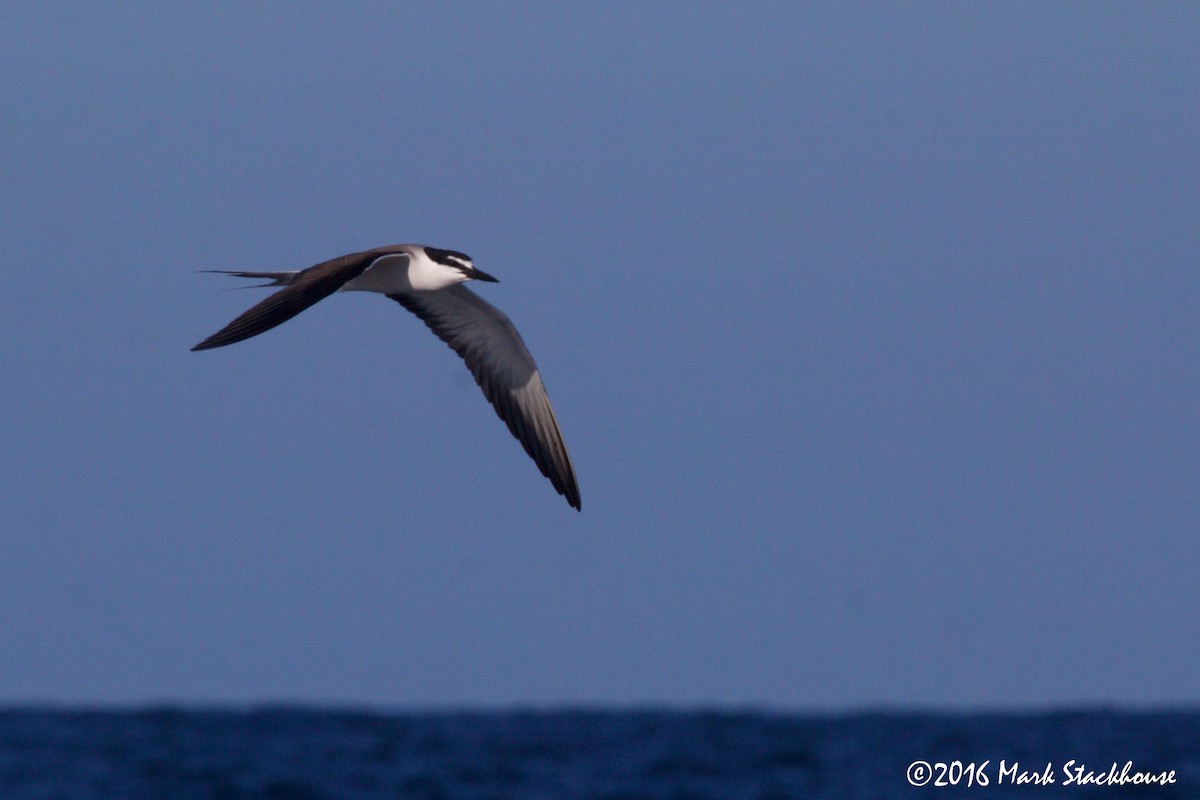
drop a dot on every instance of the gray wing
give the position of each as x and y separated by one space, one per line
302 289
494 352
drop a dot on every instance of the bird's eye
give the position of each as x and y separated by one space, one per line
450 258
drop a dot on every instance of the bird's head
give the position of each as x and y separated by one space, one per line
458 261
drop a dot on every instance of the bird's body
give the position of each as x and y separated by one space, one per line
427 281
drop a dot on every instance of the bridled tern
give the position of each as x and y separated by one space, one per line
428 282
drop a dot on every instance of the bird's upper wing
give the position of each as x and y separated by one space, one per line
307 287
485 338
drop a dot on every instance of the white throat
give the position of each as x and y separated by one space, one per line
405 272
427 275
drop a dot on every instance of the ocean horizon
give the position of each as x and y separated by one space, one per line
314 752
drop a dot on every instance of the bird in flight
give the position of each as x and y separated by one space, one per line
428 282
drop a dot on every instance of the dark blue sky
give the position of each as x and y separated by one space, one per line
872 330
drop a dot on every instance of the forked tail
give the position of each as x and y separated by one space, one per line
276 278
264 315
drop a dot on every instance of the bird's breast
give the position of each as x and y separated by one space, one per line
386 275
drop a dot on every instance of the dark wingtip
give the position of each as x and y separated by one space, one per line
207 344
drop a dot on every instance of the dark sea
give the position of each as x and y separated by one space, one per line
310 754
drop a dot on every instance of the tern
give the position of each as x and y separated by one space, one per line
428 282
